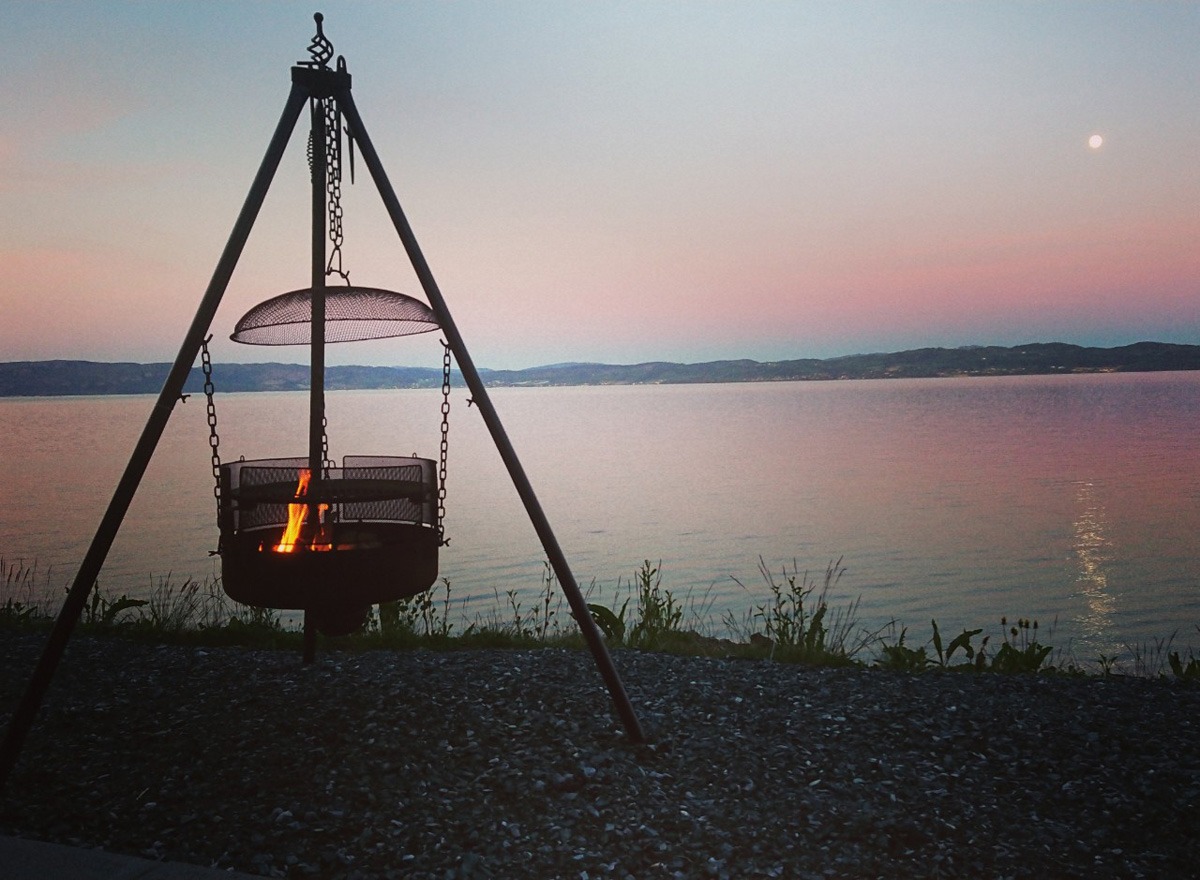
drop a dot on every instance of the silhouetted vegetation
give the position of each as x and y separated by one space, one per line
797 624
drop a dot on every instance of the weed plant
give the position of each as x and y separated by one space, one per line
901 657
1153 659
904 658
190 605
22 594
1150 659
1187 672
659 615
541 621
797 623
1021 650
658 620
404 621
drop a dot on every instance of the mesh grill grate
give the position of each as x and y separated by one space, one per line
240 478
283 470
352 314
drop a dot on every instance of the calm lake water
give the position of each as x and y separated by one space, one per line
1068 498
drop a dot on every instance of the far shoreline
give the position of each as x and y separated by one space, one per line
69 378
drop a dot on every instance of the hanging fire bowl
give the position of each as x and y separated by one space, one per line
356 536
338 541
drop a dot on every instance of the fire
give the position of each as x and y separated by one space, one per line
297 517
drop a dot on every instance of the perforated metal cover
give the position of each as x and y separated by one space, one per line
351 314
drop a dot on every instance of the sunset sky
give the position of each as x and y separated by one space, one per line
618 182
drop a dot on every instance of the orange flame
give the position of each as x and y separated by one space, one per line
292 539
297 514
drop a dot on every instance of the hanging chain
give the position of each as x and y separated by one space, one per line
333 186
326 461
445 449
214 439
333 180
333 189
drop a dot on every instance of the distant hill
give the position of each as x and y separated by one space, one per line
56 378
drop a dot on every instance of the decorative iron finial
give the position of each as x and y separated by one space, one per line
320 48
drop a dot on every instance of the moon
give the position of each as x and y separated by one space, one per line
1095 142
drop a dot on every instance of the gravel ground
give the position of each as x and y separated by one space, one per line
510 764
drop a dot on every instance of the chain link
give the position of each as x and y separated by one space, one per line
445 449
214 439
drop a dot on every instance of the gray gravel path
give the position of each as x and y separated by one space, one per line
508 764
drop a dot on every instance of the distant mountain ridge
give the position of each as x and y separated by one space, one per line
61 377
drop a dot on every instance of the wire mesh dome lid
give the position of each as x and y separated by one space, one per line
352 314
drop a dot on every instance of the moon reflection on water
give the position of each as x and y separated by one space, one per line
1093 553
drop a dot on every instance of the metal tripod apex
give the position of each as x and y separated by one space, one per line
307 83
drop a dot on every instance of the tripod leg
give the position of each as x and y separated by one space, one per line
56 643
537 516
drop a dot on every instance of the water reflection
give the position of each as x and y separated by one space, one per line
1093 553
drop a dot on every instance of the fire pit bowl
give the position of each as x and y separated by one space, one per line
359 535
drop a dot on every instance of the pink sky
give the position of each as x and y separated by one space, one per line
620 182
